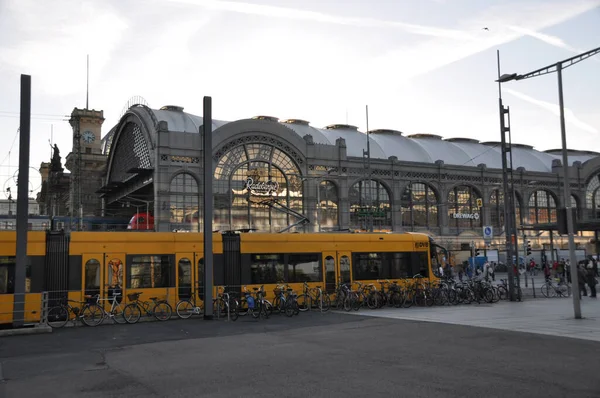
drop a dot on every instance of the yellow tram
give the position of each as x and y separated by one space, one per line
171 265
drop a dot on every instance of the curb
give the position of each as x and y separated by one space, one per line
26 331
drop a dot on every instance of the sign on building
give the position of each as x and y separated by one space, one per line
488 233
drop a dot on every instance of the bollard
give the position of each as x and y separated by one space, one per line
526 279
533 287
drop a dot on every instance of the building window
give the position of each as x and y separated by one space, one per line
592 197
542 208
185 214
370 205
275 180
496 207
419 206
575 206
463 212
327 209
149 272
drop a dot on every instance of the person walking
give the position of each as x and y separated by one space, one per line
592 269
582 279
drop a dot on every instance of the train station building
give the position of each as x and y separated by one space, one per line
275 174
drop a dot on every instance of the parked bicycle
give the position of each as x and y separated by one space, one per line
160 309
94 314
551 289
59 315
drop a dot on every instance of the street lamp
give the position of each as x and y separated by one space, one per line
558 68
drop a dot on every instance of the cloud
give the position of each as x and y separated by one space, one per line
553 108
54 44
313 16
402 64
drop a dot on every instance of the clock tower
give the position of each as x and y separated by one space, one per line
86 162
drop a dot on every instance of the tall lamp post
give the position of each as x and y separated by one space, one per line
558 68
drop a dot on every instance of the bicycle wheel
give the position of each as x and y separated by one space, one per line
243 307
132 313
92 315
326 302
303 302
372 302
502 293
264 309
118 314
234 310
219 308
184 309
57 317
548 290
162 311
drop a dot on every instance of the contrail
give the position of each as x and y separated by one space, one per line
549 39
569 115
303 15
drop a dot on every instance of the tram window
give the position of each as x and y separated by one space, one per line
148 271
304 268
369 266
7 275
266 268
92 276
424 264
185 278
400 265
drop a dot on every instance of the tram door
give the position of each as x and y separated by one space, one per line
337 269
114 276
186 274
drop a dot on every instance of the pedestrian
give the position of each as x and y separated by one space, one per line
581 279
591 271
547 272
493 270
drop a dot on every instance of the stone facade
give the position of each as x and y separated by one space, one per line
156 156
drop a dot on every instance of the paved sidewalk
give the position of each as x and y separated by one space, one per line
553 317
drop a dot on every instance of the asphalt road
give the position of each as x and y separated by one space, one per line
313 355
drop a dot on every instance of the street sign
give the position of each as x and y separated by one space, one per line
488 232
479 202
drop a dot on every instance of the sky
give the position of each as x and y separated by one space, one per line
422 66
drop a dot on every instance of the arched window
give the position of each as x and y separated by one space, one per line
463 212
496 206
419 206
276 183
592 197
327 208
542 208
574 205
185 213
370 205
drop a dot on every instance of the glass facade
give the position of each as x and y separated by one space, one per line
370 200
542 208
463 212
253 185
419 206
185 215
328 207
496 206
592 197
